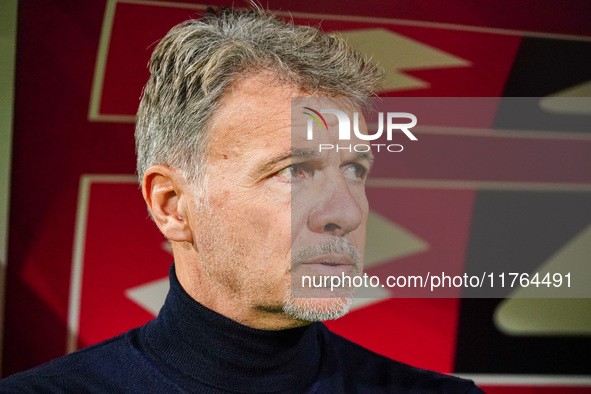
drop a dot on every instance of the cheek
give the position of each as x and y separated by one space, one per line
358 235
300 212
264 222
274 227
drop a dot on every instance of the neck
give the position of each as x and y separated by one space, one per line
208 347
232 304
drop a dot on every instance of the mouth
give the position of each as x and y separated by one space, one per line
333 264
331 260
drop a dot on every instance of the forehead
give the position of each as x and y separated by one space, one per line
259 111
256 110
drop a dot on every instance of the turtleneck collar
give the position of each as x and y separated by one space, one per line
199 346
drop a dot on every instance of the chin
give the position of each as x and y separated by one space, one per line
317 309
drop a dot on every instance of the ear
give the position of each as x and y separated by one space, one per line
167 195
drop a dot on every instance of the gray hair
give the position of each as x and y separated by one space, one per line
198 60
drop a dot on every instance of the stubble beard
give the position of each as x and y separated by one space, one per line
327 306
317 309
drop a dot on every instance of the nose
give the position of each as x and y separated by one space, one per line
336 211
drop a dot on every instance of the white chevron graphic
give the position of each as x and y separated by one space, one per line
150 296
396 53
575 100
524 312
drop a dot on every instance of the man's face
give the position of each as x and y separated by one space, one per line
270 197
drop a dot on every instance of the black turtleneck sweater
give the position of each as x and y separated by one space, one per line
191 349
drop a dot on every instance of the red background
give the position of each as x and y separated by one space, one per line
55 144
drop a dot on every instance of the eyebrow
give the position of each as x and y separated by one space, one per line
293 153
301 153
366 156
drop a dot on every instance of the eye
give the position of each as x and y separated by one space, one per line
355 171
293 172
